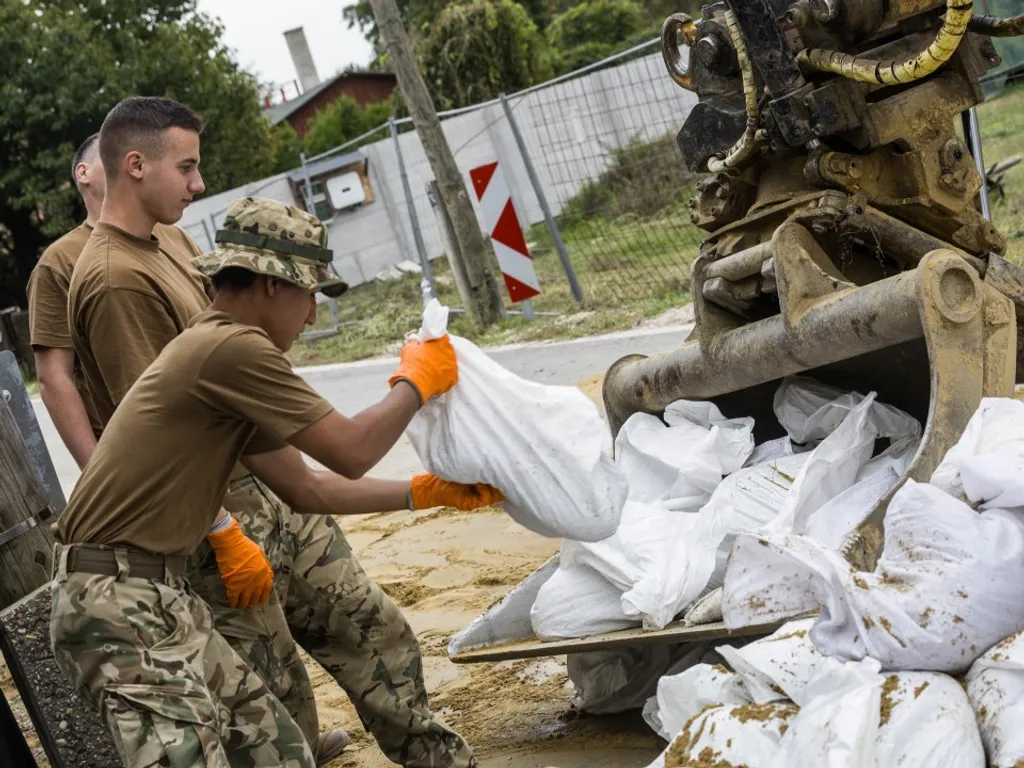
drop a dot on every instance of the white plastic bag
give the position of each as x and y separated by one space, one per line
744 501
546 448
779 666
838 725
946 587
684 457
927 722
995 432
854 717
747 735
995 685
683 695
575 602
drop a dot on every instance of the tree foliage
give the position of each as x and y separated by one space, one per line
476 50
344 120
594 30
65 63
287 147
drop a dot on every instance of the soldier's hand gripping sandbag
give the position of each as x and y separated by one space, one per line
431 491
429 366
244 568
545 448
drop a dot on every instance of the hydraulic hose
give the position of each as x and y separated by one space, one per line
993 26
744 149
894 72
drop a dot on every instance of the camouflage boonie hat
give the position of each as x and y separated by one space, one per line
277 240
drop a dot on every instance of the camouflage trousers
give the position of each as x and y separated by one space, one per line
341 618
169 688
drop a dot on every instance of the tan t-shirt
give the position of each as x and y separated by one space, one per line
128 299
48 290
156 480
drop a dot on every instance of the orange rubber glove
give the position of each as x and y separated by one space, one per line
431 491
429 366
244 568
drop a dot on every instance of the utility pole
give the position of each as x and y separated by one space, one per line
483 301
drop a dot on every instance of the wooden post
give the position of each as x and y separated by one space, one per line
483 303
15 330
25 560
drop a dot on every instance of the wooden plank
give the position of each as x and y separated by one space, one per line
676 632
25 561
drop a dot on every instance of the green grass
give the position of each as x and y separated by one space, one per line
1002 131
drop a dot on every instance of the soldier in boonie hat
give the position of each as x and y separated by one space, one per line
277 240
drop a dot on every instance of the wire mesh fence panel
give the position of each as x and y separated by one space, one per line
604 143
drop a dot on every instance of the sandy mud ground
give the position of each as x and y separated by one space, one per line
445 568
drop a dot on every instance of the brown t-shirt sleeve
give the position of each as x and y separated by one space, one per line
127 329
249 377
48 309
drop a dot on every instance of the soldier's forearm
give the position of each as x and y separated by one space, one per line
331 494
351 447
64 403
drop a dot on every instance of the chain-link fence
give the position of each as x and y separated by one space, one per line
595 149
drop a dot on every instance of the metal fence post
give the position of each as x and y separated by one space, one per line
307 187
427 286
538 190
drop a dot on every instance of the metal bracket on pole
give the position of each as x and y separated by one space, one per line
538 190
427 286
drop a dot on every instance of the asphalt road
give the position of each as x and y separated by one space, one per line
351 387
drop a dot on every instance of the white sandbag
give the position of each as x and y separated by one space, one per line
996 430
779 666
575 602
744 501
926 721
770 450
946 587
682 696
995 685
838 725
854 717
546 448
832 522
844 456
619 680
747 735
684 457
802 408
637 546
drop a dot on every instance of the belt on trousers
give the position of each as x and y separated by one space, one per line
143 565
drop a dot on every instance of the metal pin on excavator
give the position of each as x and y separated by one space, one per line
847 235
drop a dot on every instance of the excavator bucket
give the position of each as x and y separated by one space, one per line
847 239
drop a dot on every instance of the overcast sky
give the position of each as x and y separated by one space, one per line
254 29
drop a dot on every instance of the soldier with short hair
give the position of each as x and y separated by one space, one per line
133 292
126 627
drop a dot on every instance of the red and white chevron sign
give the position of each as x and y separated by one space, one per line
507 236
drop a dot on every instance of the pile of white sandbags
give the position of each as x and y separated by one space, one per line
868 679
696 481
786 704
